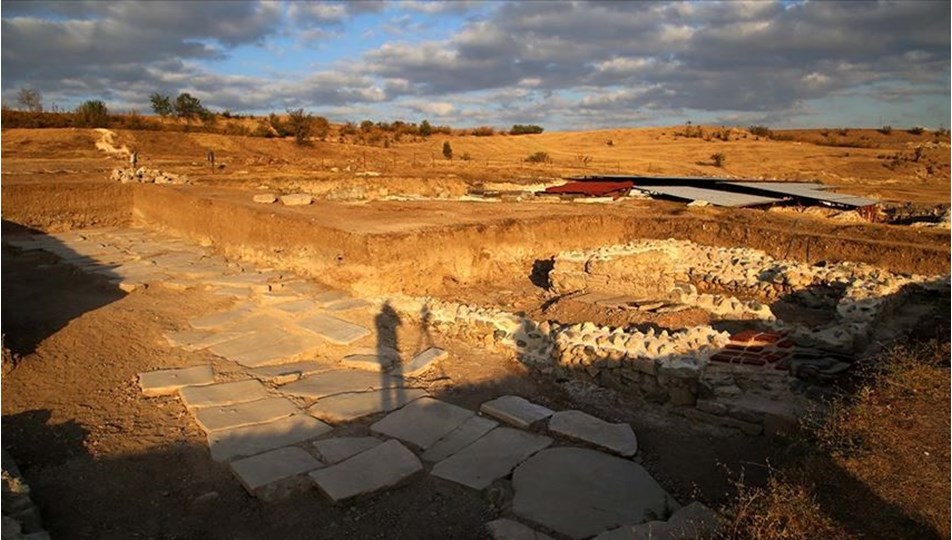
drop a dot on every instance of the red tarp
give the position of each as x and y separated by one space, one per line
592 189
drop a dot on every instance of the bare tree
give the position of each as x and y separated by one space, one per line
30 99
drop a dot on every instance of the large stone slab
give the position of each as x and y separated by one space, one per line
693 521
285 350
168 381
466 434
368 362
618 438
223 393
423 361
581 492
298 307
286 373
516 410
328 297
507 529
340 448
347 304
423 422
491 457
268 346
333 329
277 473
196 340
347 407
244 414
382 467
251 440
222 318
340 381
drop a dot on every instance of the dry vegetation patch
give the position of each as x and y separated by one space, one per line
876 467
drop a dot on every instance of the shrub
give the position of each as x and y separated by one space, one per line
525 129
885 130
425 129
718 159
918 130
322 128
583 160
466 157
301 125
447 150
92 113
760 131
483 131
538 157
279 127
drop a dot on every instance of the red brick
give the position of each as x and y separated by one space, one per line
784 344
745 337
755 348
752 360
725 357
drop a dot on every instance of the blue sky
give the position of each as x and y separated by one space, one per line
565 65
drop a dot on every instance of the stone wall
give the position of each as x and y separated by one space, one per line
663 367
738 283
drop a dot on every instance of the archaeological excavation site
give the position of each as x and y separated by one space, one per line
290 345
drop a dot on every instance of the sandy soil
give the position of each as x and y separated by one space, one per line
104 462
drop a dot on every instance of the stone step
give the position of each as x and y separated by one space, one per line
276 474
382 467
347 407
422 422
491 457
168 381
252 440
244 414
617 438
516 410
229 393
340 448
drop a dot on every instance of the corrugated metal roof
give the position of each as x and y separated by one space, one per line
715 197
808 191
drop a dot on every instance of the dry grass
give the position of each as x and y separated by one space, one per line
876 467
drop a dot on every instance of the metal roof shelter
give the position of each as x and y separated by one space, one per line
713 196
806 191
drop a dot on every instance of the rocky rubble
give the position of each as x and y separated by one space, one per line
707 277
665 366
21 517
143 175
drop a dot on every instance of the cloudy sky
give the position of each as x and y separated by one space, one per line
565 65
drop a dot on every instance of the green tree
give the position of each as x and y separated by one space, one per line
447 150
161 105
92 113
190 108
425 129
30 99
301 125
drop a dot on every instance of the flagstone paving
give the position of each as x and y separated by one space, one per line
269 427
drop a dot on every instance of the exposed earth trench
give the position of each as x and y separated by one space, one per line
103 461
